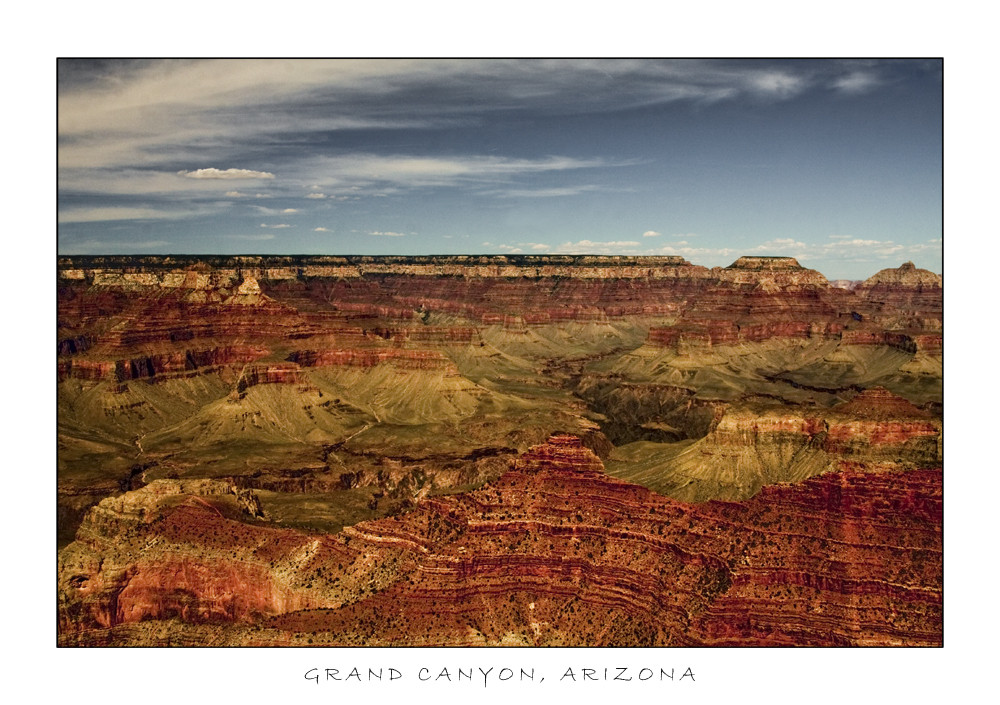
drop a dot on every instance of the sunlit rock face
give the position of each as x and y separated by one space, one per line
480 450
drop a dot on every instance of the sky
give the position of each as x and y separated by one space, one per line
835 162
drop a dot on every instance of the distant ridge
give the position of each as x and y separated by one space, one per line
547 265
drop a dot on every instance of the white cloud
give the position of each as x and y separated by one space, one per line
290 210
778 84
697 255
842 248
321 230
781 244
213 173
651 233
235 194
857 82
316 195
855 242
264 210
538 246
540 192
589 247
279 226
386 233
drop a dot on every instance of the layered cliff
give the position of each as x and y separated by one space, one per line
553 552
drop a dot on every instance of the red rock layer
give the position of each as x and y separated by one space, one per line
875 424
407 359
285 373
905 297
197 578
149 366
755 299
715 332
554 552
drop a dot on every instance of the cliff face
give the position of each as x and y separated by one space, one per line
553 552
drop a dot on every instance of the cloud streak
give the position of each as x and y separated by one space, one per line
356 172
133 112
213 173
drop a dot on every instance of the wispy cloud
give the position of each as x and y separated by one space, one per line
322 230
776 83
278 226
158 110
554 192
857 82
213 173
387 233
651 233
357 172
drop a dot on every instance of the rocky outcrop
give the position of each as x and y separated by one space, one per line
904 298
906 276
285 373
177 550
649 412
555 552
402 358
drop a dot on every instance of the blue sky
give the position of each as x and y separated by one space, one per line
835 162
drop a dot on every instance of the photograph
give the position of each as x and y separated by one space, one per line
554 352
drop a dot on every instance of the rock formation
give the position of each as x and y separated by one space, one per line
554 552
497 450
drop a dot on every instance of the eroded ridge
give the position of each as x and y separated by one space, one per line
554 552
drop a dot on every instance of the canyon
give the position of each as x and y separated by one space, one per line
497 450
